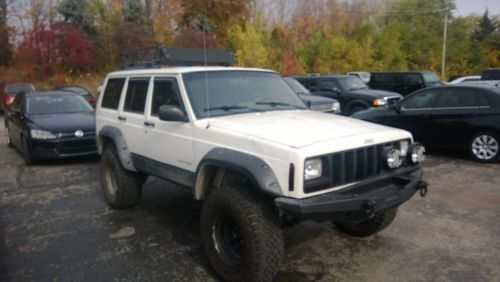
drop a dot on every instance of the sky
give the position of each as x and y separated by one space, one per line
465 7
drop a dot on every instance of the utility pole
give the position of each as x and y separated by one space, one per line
445 35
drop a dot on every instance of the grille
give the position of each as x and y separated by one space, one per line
349 166
392 100
76 145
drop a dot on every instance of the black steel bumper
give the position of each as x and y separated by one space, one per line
360 201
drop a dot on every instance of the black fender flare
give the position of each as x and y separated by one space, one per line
355 103
122 150
255 169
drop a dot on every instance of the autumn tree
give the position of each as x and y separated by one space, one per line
5 47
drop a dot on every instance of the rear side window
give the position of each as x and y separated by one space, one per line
165 92
135 99
308 83
421 100
111 97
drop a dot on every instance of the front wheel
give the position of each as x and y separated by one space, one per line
369 227
122 188
241 235
484 147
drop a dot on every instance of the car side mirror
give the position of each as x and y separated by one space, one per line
171 113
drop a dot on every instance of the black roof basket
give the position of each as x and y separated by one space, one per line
158 56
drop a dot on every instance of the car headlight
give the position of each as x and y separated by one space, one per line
392 157
379 102
313 168
403 147
336 107
417 153
42 134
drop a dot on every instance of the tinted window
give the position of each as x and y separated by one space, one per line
55 104
413 79
351 83
420 100
135 99
17 103
296 86
165 92
456 98
308 83
491 75
111 97
328 84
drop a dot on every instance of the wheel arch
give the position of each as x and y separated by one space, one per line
225 167
113 135
356 102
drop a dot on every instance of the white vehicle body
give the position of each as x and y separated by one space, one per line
279 138
465 79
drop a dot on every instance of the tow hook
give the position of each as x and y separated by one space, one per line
422 187
369 207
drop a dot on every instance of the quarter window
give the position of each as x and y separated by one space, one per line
111 97
165 92
135 99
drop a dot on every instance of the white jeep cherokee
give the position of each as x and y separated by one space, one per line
247 146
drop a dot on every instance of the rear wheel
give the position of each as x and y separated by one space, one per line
371 226
484 147
122 188
241 235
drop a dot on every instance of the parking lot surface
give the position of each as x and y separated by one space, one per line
55 225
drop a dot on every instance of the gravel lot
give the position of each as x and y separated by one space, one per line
55 225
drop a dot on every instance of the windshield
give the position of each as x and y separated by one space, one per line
430 77
57 104
296 86
237 92
19 88
77 90
350 83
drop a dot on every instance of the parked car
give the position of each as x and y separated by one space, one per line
80 90
244 143
403 82
9 91
351 92
363 75
460 117
51 124
463 79
315 103
490 74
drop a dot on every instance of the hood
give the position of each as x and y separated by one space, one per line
296 128
376 93
316 100
65 122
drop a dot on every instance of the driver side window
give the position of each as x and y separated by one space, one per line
328 85
422 100
165 92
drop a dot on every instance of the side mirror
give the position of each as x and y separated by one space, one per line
171 113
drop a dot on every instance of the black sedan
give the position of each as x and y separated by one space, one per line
51 124
315 103
462 117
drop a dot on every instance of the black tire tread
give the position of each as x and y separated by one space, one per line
269 247
129 185
370 226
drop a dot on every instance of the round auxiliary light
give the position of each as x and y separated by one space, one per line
417 153
392 157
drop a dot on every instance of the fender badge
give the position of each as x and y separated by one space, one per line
79 133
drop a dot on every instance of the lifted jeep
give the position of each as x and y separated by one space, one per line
258 159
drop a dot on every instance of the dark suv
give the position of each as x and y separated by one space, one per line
403 82
351 92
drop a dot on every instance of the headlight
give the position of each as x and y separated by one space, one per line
42 134
403 147
417 152
392 157
336 107
379 102
313 169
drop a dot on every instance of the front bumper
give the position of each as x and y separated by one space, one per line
59 149
359 202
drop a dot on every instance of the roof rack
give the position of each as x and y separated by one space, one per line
158 56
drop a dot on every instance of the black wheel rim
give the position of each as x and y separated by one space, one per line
228 241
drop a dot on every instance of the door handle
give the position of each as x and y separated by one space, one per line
149 124
122 118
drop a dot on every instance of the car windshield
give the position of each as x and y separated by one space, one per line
17 88
77 90
296 86
430 77
350 83
219 93
57 104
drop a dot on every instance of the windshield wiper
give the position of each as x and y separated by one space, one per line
274 104
226 108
